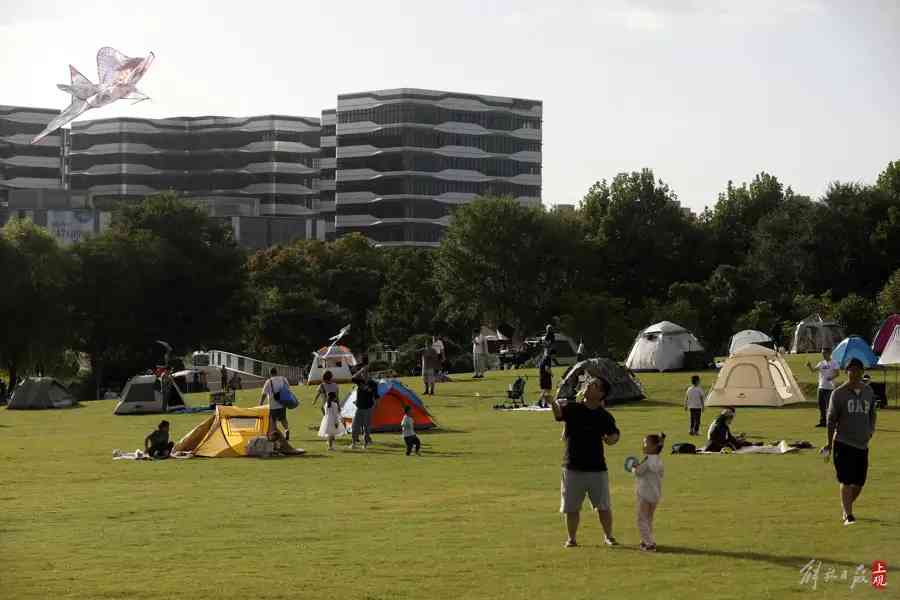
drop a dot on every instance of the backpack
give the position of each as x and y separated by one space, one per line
286 397
684 448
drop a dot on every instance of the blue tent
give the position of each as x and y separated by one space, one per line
854 347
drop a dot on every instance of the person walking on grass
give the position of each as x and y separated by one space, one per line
478 354
851 424
587 427
271 392
332 426
366 395
828 369
545 375
431 364
693 402
408 427
648 487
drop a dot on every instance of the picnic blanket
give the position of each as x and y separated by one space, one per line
141 455
531 408
781 447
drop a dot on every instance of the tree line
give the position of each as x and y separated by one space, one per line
762 257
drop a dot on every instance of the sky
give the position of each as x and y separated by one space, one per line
702 92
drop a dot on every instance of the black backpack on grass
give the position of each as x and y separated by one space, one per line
684 448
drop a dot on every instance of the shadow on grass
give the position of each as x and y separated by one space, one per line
794 562
441 430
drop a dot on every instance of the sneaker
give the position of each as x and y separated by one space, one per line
570 544
849 520
610 541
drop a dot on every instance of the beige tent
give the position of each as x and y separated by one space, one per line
40 393
755 376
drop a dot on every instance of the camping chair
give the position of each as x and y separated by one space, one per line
516 391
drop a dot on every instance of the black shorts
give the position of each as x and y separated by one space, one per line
278 414
851 464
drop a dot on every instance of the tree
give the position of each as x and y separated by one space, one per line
857 315
408 301
35 325
889 296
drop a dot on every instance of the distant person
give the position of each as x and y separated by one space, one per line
587 427
545 376
479 351
270 392
408 427
236 382
693 402
431 365
828 369
195 381
157 444
328 386
851 425
438 344
579 353
648 487
223 374
548 340
719 435
331 426
2 390
366 396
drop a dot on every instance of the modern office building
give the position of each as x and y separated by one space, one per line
406 158
327 165
271 158
22 165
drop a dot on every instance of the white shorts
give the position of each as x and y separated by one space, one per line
575 484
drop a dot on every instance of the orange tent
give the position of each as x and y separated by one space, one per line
392 397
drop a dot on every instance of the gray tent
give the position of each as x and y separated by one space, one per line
148 394
623 386
37 393
813 334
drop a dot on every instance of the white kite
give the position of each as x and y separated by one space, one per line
118 76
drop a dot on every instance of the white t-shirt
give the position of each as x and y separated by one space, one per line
648 479
478 345
272 386
438 347
828 370
408 426
693 397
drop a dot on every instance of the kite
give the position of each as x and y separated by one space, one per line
118 76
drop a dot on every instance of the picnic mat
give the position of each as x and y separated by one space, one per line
781 447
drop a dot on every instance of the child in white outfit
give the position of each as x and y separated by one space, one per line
332 426
648 485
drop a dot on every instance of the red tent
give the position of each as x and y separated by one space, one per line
392 397
884 333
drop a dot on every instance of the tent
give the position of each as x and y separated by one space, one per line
338 359
623 385
854 347
40 392
662 347
388 412
747 336
755 376
814 334
891 353
226 433
148 394
884 333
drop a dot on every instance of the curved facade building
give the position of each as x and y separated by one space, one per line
23 166
407 157
271 158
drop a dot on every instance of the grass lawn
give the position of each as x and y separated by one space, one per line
474 517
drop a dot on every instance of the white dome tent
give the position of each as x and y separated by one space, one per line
662 347
745 337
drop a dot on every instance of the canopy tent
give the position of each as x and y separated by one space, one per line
814 334
891 353
226 433
755 376
148 394
623 386
854 347
388 411
36 393
662 347
337 359
884 333
745 337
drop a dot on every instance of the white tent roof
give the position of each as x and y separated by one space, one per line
891 353
665 327
747 336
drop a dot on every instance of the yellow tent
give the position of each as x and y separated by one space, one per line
226 433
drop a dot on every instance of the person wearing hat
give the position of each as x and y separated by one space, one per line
587 427
851 425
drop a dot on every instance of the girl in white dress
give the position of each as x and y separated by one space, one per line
648 485
332 426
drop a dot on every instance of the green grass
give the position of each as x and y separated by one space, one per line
475 517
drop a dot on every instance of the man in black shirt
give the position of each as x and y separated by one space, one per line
588 426
366 393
